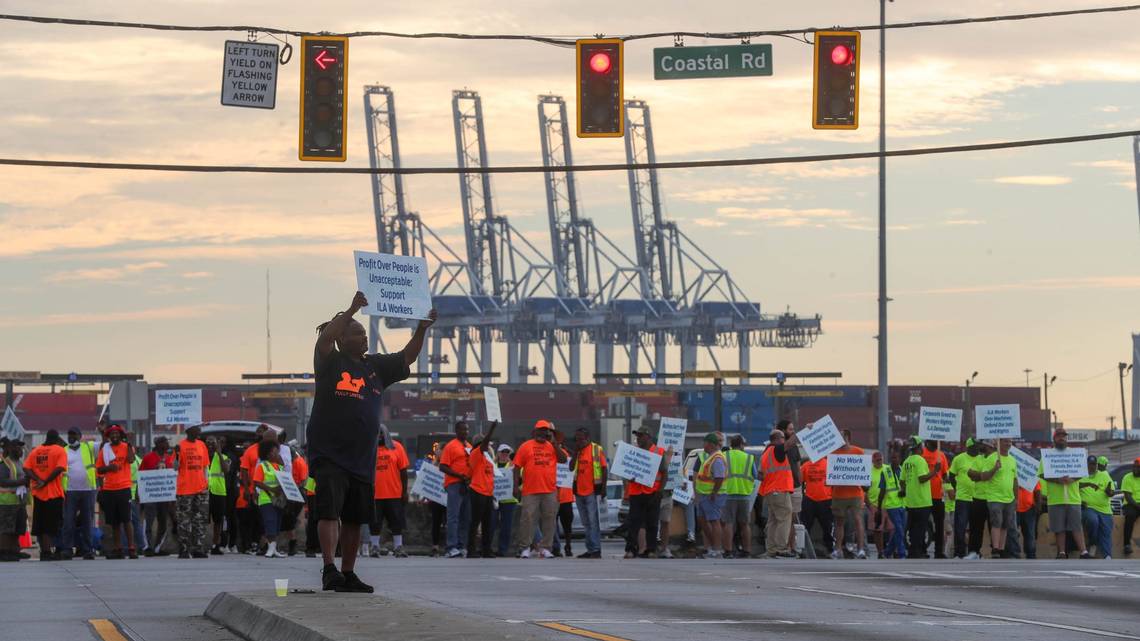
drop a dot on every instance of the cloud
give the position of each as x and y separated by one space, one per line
783 216
729 194
708 222
870 326
1109 109
1038 285
1036 181
179 312
1115 166
953 222
195 275
103 273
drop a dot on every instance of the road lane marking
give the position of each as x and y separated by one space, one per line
920 606
107 630
561 627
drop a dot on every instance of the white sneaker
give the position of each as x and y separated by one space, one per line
835 554
1107 557
862 554
972 556
667 554
547 554
525 554
454 553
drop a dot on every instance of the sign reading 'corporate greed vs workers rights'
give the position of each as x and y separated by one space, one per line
939 424
998 421
177 406
395 286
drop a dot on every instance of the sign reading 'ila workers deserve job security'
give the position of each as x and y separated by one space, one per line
395 286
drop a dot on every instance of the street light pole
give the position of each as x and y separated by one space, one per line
1123 367
884 397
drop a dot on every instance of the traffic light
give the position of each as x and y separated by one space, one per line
600 71
835 92
324 85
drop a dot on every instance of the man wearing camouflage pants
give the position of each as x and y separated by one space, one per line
192 460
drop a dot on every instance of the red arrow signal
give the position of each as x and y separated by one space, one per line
323 60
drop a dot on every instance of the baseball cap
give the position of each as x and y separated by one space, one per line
970 442
1092 459
543 424
711 438
1137 461
115 428
505 448
916 440
643 430
1102 460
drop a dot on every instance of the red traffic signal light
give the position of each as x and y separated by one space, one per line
324 87
835 90
600 88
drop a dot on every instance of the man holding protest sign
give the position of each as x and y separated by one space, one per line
1063 498
645 501
845 500
482 494
343 430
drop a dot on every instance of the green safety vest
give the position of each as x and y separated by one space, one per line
270 480
135 477
509 467
310 485
8 494
87 451
891 499
596 456
706 486
741 478
216 477
873 491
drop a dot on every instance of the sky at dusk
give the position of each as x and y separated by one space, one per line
998 261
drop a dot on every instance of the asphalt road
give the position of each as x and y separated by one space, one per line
658 600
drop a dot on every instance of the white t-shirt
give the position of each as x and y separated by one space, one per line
76 470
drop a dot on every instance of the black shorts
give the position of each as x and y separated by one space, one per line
340 496
392 511
289 516
116 506
217 508
47 517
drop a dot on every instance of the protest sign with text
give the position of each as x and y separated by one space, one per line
289 487
429 484
683 492
939 424
177 406
635 464
1070 462
565 477
1026 469
849 469
672 434
395 286
822 439
158 486
504 484
998 421
491 399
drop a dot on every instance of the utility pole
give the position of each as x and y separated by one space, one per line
1027 371
884 396
1047 383
1123 368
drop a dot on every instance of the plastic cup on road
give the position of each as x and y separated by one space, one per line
282 586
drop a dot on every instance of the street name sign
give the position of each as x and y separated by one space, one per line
732 61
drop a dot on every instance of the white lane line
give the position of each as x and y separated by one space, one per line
1079 573
1119 573
774 622
941 575
920 606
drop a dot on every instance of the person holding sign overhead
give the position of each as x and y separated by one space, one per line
456 468
192 459
1063 498
995 480
482 470
536 479
343 430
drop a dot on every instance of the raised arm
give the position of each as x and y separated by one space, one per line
414 346
333 329
487 439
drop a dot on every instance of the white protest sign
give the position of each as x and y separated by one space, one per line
249 75
177 406
395 286
998 421
429 484
1026 469
939 424
289 487
672 434
158 486
849 469
822 439
491 398
683 492
565 476
10 425
504 485
1070 462
635 464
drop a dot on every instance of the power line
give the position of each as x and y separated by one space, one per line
563 40
534 169
1090 378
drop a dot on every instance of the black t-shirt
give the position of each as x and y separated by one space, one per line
345 423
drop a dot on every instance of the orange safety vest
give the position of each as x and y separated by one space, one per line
777 476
